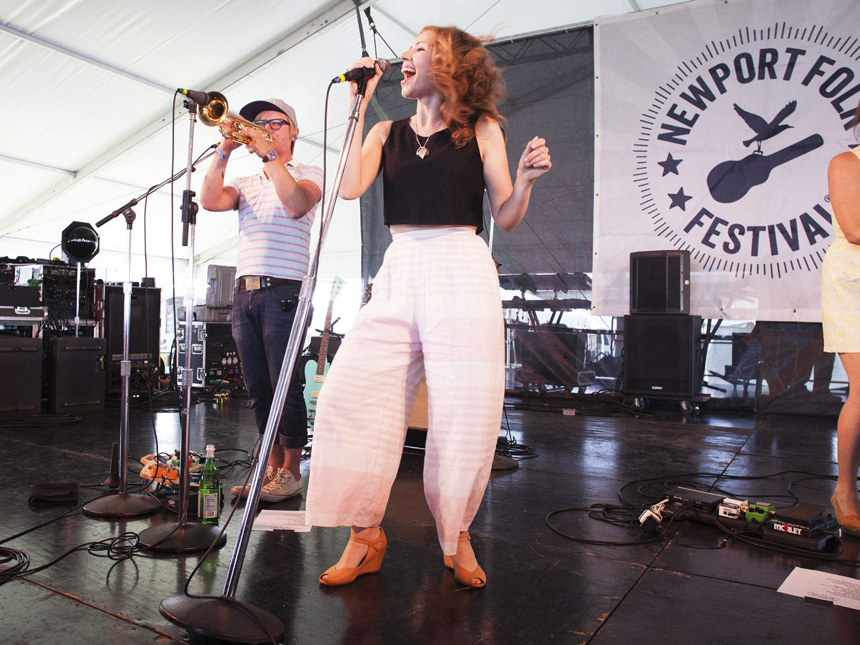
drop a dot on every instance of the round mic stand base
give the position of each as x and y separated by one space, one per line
225 619
182 538
122 505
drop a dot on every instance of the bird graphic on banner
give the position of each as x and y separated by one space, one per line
764 130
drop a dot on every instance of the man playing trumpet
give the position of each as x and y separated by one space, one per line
276 211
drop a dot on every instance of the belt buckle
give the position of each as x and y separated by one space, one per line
252 283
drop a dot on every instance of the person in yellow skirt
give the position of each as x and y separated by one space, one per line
840 311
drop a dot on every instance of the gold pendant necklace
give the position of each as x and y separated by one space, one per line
422 147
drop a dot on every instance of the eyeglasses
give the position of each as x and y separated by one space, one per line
272 124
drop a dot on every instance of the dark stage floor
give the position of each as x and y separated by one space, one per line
543 587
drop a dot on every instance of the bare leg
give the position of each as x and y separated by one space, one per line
465 558
848 442
289 458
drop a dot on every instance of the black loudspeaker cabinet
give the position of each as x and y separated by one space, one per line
144 324
660 282
20 377
663 355
77 375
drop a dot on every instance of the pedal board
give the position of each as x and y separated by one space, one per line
696 499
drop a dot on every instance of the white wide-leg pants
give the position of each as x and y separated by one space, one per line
435 312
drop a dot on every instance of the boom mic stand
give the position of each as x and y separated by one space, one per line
225 617
123 504
183 536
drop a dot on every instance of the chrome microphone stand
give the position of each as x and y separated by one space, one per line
225 617
184 536
122 504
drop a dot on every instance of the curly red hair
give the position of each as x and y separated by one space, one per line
468 78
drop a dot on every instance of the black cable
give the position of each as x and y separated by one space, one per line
41 421
784 548
511 448
21 563
43 524
674 481
255 452
376 34
627 515
604 508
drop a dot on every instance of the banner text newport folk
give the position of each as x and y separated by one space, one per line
837 84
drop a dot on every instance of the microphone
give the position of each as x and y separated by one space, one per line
370 22
198 97
363 73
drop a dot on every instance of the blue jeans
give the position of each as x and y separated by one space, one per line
261 330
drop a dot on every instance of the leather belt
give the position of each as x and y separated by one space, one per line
254 282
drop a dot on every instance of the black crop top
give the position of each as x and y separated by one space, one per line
445 187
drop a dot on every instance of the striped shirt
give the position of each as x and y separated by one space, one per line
272 243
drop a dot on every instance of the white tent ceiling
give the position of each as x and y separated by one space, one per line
88 93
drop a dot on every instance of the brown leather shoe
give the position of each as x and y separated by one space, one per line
371 564
463 576
849 523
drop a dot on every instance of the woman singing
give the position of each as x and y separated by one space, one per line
435 312
840 311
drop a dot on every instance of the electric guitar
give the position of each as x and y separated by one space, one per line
315 370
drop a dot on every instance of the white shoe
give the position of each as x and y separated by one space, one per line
282 486
270 475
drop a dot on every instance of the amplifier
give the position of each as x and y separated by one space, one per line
144 323
78 380
21 377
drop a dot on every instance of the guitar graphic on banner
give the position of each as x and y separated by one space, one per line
315 370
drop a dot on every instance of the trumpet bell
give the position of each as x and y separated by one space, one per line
216 111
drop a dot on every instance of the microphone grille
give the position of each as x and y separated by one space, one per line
384 64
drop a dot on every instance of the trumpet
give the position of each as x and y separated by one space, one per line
215 112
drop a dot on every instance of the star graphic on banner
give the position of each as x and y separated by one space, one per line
679 199
670 165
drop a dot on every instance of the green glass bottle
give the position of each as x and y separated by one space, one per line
209 492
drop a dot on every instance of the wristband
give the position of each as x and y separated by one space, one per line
222 155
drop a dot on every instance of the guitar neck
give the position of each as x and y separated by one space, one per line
324 341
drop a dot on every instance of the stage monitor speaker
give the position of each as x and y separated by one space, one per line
660 282
662 355
145 323
21 377
77 375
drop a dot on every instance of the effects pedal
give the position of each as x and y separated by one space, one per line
760 512
804 520
733 509
804 526
696 499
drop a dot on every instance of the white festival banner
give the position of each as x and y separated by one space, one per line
715 123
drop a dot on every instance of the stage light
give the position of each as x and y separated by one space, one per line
80 242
